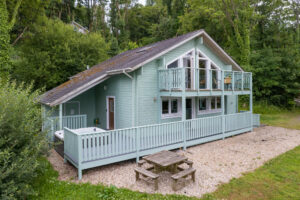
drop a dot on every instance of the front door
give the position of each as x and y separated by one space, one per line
111 113
189 108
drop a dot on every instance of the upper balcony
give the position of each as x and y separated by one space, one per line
203 82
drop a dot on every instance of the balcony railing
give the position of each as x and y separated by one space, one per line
203 79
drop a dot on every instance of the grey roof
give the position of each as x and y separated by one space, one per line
124 61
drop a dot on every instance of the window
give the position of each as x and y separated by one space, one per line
174 106
209 104
171 107
213 103
174 64
165 107
218 102
202 103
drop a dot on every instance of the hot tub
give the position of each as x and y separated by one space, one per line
59 137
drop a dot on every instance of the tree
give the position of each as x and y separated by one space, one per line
52 52
4 41
21 141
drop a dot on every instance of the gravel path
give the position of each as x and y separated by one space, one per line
216 162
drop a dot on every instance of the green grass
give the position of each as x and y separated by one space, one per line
275 116
277 179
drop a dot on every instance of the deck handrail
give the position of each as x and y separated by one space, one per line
171 79
100 148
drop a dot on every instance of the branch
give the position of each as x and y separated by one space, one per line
20 36
14 15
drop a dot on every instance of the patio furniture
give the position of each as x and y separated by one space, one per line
142 164
165 161
170 161
183 174
148 174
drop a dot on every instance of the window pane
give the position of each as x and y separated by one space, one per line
174 64
202 64
213 103
218 102
202 104
165 107
174 106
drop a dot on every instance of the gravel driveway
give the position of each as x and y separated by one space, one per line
216 162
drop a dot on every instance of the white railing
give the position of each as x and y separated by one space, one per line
203 79
99 148
51 124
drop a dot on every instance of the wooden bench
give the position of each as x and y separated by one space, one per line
183 174
142 162
141 171
188 162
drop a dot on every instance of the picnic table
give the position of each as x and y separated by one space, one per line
165 161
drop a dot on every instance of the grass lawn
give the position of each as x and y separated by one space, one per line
284 119
277 179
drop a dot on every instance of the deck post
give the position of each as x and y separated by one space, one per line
251 103
242 87
60 117
79 156
233 81
138 142
223 105
183 108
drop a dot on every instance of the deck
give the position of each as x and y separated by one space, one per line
101 148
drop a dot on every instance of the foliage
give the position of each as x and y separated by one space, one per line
52 52
4 40
21 140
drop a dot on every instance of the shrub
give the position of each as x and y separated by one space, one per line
21 140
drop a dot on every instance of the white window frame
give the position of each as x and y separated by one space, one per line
208 65
180 58
180 64
169 114
208 106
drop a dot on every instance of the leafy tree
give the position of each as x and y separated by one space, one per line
21 141
4 40
114 47
53 52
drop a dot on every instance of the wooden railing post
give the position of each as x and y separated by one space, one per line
138 143
233 79
183 108
60 117
79 156
223 105
251 102
242 87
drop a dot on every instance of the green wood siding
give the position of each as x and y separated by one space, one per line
136 100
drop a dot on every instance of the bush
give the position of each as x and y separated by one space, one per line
21 140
